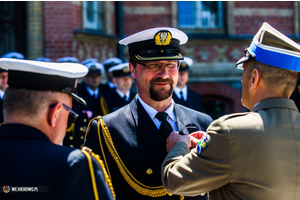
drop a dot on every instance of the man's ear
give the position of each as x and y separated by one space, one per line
255 78
114 81
53 114
132 70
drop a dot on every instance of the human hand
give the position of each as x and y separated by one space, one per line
195 138
174 138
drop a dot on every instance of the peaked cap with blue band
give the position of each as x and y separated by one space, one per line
272 48
156 44
44 76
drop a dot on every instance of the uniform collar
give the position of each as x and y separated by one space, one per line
121 94
152 112
275 103
177 91
91 92
21 131
1 94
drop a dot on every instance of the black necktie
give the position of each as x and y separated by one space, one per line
165 128
181 95
124 97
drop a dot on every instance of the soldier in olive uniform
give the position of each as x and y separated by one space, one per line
250 155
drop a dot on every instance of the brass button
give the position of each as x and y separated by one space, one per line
84 120
82 137
81 129
71 137
149 171
71 145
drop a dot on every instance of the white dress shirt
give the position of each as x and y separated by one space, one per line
184 91
152 112
92 93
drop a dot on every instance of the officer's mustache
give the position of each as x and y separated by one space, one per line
161 80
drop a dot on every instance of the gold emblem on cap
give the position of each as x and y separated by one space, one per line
183 64
93 68
126 70
163 38
149 171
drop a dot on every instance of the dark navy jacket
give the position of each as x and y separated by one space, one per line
29 159
140 145
74 136
194 100
115 102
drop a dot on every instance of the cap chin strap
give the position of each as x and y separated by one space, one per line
72 93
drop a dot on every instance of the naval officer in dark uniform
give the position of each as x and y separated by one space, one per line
3 86
122 95
182 94
91 92
109 86
34 165
133 141
4 77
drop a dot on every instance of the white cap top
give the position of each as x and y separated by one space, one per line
112 60
187 60
45 76
86 61
119 67
16 55
68 59
150 33
43 59
94 67
69 70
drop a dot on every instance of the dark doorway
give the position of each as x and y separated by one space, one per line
13 27
217 106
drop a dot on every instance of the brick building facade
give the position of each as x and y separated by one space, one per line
58 28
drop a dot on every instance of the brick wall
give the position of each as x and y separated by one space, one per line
142 15
58 27
249 15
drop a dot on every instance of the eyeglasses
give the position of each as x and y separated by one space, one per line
72 115
174 65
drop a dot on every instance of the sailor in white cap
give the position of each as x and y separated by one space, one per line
3 86
15 55
91 92
142 127
67 59
88 60
251 155
43 59
182 94
37 107
109 86
122 95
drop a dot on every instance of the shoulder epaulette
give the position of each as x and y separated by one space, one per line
89 153
225 117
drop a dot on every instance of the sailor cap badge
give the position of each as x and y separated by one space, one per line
126 70
203 143
93 68
163 38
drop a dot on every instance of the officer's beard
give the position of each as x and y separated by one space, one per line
161 94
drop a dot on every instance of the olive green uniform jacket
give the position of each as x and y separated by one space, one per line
253 155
